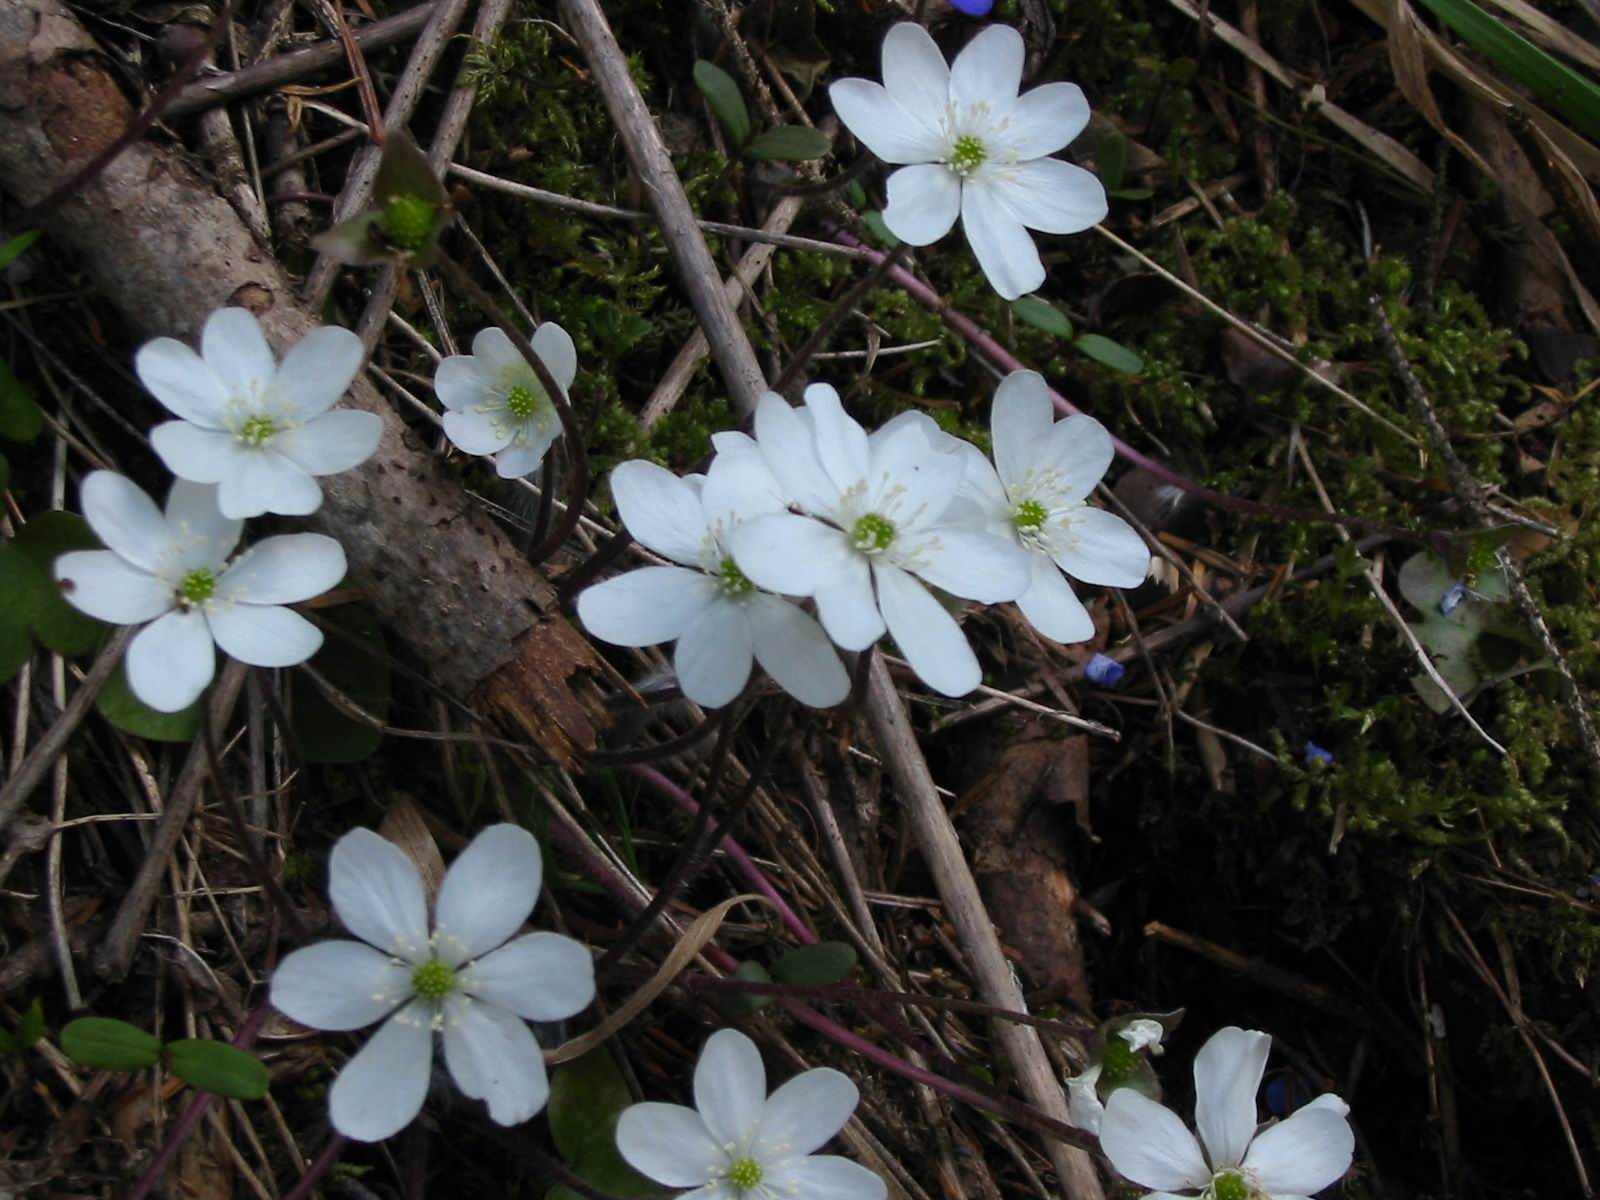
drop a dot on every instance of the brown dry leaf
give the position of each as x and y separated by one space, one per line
204 1170
403 825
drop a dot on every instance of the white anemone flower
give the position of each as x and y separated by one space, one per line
738 1143
1150 1145
497 404
467 979
172 569
974 148
258 428
875 531
1083 1089
717 616
1036 495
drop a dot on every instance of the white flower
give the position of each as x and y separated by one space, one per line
880 501
1150 1145
1083 1089
738 1144
977 149
452 981
716 615
172 570
497 404
258 428
1037 499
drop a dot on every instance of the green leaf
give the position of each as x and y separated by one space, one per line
32 1027
1550 80
13 249
15 646
20 418
325 734
109 1045
820 965
741 1004
1042 315
218 1067
5 473
1132 193
1109 353
722 93
587 1096
117 704
874 221
789 143
30 598
1112 160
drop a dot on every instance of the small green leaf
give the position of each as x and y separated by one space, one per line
1112 160
32 1027
20 418
741 1004
109 1045
722 93
117 704
30 597
218 1067
15 646
1132 193
1109 353
1042 315
789 143
13 249
324 733
820 965
5 473
587 1096
874 222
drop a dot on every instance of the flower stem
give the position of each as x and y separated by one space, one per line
323 1164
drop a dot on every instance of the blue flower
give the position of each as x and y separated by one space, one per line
973 8
1453 597
1315 754
1107 672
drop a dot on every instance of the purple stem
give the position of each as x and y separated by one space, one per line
315 1172
735 852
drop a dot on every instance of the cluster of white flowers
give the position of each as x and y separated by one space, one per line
251 435
864 525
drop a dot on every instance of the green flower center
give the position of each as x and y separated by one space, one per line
1030 515
746 1173
967 155
1230 1185
408 221
872 533
1119 1062
732 581
257 431
521 402
433 981
198 586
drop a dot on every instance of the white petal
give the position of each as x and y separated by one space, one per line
1332 1103
975 565
982 490
1304 1154
474 432
989 69
840 442
377 893
795 556
882 124
1052 607
554 347
339 985
541 976
739 486
927 635
1046 119
914 70
195 453
171 660
1052 196
660 510
668 1143
333 442
1021 422
786 441
494 350
1148 1144
516 462
646 606
1105 549
791 647
1009 259
1085 1109
381 1090
317 371
825 1177
493 1056
125 519
487 893
712 658
803 1114
204 536
913 481
1080 448
730 1087
103 585
235 348
263 635
284 569
1227 1075
848 607
184 383
924 202
265 481
461 382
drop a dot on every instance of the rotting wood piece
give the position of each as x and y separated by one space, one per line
166 250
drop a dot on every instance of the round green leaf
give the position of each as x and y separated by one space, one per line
741 1004
20 418
587 1096
874 221
1109 353
109 1045
820 965
1112 160
727 104
218 1067
1041 315
789 143
117 704
29 594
